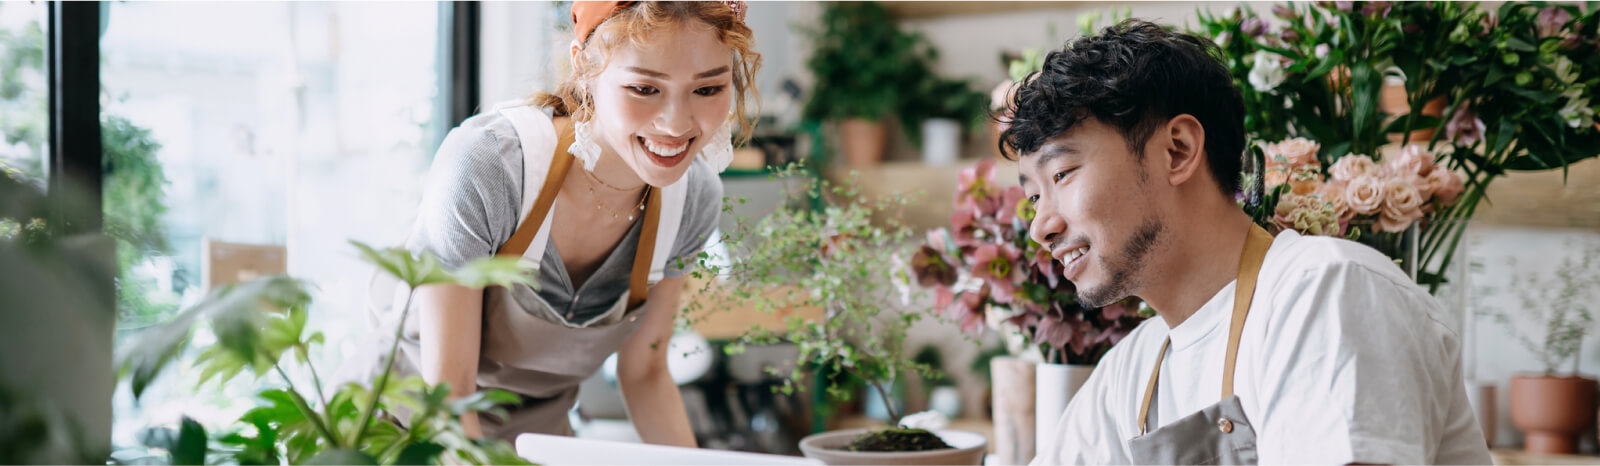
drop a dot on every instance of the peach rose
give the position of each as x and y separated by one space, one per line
1353 166
1283 215
1402 206
1305 182
1446 186
1298 152
1275 178
1365 194
1413 160
1333 193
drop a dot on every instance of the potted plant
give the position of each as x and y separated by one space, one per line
260 328
1552 408
1517 85
987 272
938 111
832 257
858 59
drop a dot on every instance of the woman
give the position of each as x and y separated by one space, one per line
644 125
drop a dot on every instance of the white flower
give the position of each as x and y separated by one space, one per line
1322 50
1266 74
1565 71
928 420
1577 112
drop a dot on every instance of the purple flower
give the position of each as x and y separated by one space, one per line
976 187
997 266
1285 13
1011 205
1376 9
1464 128
932 268
1290 36
1344 6
1253 27
1552 20
964 225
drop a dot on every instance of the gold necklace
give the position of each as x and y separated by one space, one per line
600 204
603 183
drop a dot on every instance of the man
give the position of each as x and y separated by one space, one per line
1285 350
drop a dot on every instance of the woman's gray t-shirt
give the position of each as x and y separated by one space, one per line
472 200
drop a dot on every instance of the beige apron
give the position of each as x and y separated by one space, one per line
1219 434
527 347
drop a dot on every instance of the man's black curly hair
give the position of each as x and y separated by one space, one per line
1134 76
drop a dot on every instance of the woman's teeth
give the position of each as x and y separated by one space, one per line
664 150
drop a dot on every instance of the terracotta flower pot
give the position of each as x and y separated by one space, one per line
862 141
1551 411
1393 102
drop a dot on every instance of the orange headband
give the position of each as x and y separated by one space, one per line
588 15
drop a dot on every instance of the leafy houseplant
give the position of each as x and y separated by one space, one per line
1551 408
1516 84
831 258
858 59
258 324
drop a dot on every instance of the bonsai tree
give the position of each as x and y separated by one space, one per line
833 258
258 326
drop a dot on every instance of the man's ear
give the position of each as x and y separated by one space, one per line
1184 148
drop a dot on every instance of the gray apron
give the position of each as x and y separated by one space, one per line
527 347
1220 433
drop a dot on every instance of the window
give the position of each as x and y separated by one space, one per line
24 110
257 138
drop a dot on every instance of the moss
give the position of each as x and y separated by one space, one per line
897 440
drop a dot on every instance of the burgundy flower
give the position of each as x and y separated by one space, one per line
969 307
1285 12
1376 9
1552 20
1253 27
1290 36
931 268
1464 128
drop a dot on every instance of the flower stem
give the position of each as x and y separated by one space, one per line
388 367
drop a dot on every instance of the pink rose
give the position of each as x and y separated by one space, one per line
1353 166
1446 186
1413 161
1402 206
1365 194
1283 213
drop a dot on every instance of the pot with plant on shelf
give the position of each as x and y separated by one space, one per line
1551 408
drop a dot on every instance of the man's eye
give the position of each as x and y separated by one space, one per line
1034 199
643 90
1062 174
709 90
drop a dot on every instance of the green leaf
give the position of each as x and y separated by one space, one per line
412 270
342 456
496 271
153 349
190 447
1327 65
420 453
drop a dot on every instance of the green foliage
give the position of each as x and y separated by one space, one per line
833 258
134 203
858 59
1527 77
932 96
259 323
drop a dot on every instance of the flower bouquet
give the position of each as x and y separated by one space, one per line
987 273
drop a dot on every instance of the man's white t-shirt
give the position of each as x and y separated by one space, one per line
1343 359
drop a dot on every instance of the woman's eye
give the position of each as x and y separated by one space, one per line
709 90
643 90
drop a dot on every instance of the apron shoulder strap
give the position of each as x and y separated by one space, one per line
537 135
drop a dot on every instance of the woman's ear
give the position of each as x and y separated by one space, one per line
574 55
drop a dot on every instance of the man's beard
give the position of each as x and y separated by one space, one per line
1124 267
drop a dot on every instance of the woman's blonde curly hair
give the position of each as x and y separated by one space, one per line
632 26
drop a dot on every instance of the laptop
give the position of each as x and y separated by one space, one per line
555 450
